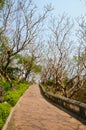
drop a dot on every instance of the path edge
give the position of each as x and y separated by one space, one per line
11 112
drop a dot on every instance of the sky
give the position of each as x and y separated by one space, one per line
73 8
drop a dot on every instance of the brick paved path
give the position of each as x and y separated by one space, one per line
33 112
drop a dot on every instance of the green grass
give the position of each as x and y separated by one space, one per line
4 112
10 97
13 96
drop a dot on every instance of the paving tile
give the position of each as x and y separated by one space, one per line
33 112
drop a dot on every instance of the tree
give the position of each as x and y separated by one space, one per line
81 35
59 47
66 75
22 25
29 63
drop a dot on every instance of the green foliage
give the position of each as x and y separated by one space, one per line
49 88
65 80
81 58
23 59
6 86
4 112
75 59
2 2
11 71
50 82
45 87
1 123
4 46
85 85
10 98
37 68
13 96
29 63
22 85
80 95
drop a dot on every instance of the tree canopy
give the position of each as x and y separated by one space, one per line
2 2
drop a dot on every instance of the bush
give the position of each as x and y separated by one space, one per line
50 82
6 86
4 112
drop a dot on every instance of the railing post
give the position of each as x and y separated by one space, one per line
82 112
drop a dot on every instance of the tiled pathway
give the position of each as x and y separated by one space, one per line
33 112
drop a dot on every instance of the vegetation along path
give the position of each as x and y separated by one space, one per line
33 112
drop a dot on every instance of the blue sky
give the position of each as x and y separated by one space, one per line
73 8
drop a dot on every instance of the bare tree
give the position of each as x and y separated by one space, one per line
67 78
22 25
59 46
81 34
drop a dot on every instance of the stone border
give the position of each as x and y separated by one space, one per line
77 108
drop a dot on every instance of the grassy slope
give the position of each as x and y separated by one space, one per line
10 98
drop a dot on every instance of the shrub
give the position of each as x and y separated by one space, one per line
50 82
4 112
6 86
